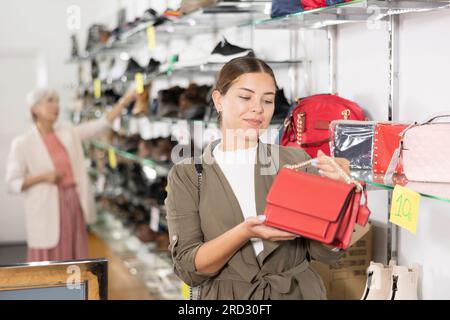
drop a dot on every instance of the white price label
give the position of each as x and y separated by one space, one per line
181 132
154 219
116 124
161 129
145 128
210 134
133 126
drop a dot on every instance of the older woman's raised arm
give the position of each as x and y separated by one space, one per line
94 128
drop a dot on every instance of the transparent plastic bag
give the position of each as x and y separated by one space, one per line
353 140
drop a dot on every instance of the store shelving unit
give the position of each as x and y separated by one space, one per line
257 14
160 170
355 11
224 14
152 266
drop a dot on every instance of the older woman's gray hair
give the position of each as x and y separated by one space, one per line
36 96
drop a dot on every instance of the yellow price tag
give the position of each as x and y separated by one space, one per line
112 158
405 208
185 291
139 82
151 37
97 88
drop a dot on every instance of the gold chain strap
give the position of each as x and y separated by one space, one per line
300 124
341 171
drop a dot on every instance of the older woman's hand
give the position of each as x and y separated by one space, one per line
128 98
328 170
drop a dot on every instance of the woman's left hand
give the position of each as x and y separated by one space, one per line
328 170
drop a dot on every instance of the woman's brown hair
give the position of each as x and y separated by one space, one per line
236 68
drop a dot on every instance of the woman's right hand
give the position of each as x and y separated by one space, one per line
255 228
54 177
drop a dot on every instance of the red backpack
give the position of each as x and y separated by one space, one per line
307 126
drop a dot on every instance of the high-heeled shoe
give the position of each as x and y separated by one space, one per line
404 282
379 281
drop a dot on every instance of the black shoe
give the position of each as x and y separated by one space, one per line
75 52
132 68
225 51
149 15
153 66
168 102
282 105
97 36
95 71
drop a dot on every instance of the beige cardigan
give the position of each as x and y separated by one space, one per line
29 157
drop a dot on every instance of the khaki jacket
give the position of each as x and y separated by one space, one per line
281 270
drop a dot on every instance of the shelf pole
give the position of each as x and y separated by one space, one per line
393 115
293 71
332 58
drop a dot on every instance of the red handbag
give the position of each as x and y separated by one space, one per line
322 209
307 126
387 139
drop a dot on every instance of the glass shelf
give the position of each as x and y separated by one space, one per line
161 170
206 69
350 12
437 191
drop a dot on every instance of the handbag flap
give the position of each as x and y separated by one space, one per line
310 194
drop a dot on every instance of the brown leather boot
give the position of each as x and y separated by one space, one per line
142 102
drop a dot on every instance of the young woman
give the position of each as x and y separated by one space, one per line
218 239
46 163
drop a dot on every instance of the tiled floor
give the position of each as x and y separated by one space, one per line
121 284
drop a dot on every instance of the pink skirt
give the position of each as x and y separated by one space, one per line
73 244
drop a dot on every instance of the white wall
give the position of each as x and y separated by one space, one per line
424 77
424 91
363 77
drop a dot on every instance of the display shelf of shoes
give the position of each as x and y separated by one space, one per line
151 266
206 69
436 191
355 11
151 127
224 14
147 203
160 169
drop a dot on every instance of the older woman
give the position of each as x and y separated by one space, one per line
46 163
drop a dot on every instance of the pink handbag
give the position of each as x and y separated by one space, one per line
425 151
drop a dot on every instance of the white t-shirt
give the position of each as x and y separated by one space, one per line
239 169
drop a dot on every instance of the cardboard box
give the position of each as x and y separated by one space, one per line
347 279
